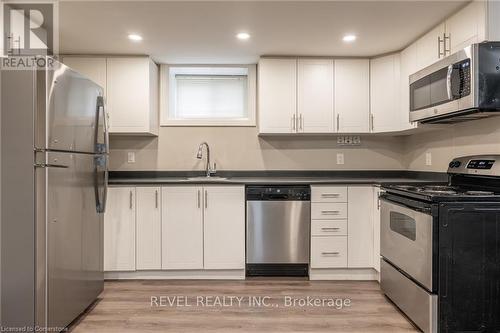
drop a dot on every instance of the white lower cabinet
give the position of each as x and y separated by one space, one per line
344 222
360 227
224 227
376 228
119 230
329 252
148 228
203 227
182 227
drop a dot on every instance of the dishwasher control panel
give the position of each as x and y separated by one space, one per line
279 192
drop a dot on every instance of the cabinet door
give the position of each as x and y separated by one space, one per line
92 67
429 47
277 95
315 96
352 95
384 87
376 228
148 228
224 227
128 94
408 67
467 26
360 227
182 227
119 230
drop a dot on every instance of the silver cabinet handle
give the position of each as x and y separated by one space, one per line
440 54
156 198
130 199
447 38
301 122
206 199
338 122
372 126
330 212
293 123
48 165
330 253
198 198
328 229
330 195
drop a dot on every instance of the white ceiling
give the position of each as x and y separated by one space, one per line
204 32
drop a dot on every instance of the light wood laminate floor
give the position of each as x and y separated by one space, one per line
125 306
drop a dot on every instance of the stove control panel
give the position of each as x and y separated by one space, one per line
480 164
476 165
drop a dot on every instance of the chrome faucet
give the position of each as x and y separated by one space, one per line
209 171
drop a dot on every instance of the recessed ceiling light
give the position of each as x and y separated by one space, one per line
349 38
135 37
243 36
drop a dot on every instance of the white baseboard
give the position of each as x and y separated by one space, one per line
343 274
230 274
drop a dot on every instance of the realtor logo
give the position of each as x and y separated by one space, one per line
28 28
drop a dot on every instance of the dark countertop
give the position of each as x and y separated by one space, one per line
379 177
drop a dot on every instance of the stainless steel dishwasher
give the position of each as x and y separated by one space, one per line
278 230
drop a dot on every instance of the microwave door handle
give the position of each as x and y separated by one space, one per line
448 82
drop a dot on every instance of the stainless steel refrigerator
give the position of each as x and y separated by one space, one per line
54 153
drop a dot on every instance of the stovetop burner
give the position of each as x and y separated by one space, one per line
444 192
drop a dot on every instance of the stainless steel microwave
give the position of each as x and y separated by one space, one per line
462 86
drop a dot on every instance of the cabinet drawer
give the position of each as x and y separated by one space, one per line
329 228
328 193
329 252
328 211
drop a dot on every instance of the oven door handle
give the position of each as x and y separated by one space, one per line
425 210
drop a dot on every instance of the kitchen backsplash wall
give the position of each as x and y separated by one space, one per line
467 138
239 148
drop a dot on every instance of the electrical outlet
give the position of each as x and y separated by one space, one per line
428 159
340 158
130 157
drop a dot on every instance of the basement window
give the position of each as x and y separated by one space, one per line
208 96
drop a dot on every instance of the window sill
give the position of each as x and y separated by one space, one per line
208 123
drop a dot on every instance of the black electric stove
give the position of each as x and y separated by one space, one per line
440 248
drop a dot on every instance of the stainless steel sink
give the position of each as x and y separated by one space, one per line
207 179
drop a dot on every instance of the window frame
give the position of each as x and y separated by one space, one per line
166 121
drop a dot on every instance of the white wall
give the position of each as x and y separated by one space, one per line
240 148
467 138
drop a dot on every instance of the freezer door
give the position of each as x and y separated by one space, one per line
74 237
75 111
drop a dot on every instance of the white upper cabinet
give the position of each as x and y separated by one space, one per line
277 91
360 227
352 95
408 67
132 95
466 27
430 47
92 67
315 96
130 89
119 230
224 227
385 93
182 227
148 228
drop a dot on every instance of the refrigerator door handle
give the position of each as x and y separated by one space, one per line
101 148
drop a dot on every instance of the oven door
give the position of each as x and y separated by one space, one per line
442 88
406 241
